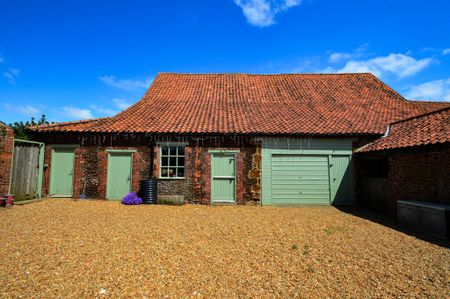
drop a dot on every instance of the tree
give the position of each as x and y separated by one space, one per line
21 128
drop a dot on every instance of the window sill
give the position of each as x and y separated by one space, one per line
162 178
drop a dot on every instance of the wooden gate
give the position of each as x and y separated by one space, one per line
376 193
27 169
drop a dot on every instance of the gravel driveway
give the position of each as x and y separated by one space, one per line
65 248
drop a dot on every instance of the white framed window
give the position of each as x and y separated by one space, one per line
172 160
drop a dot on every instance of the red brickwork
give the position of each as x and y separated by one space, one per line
423 176
91 164
6 156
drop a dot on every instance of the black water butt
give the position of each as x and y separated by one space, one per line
149 187
149 191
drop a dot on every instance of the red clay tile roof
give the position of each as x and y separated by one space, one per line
425 129
428 106
71 126
314 104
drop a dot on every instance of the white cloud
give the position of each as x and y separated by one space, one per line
102 111
11 74
27 110
77 113
399 64
338 57
262 13
126 84
121 103
446 51
438 90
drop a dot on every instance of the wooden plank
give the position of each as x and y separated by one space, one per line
25 171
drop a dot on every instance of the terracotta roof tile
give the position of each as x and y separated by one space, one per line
316 104
70 126
425 129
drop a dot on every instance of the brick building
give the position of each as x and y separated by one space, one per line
414 156
6 156
229 138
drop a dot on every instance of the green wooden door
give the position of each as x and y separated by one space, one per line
223 175
119 175
300 180
61 177
341 180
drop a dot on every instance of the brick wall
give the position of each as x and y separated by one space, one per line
6 156
91 160
423 176
90 169
196 188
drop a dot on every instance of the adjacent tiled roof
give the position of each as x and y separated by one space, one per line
428 106
315 104
71 126
425 129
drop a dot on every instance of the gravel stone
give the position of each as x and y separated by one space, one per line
72 249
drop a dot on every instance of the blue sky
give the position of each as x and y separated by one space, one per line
82 59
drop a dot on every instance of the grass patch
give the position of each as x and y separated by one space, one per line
305 250
334 229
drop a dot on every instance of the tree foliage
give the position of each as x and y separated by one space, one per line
21 128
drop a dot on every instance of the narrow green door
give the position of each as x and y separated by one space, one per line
61 177
223 178
119 175
341 176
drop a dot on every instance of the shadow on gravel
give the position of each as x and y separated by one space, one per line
388 221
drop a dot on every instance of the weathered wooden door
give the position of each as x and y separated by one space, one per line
223 175
61 178
26 170
119 175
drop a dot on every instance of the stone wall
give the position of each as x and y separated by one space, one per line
423 176
196 187
91 160
6 156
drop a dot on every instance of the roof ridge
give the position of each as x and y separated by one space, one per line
256 74
420 115
64 123
428 101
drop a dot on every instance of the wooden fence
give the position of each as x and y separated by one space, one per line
27 169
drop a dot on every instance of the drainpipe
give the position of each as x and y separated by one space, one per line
152 159
388 131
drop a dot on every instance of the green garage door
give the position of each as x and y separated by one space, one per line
300 180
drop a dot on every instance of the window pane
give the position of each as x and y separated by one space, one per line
181 151
181 161
164 150
164 161
164 172
172 172
173 161
180 173
173 150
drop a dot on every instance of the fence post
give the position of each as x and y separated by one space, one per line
41 170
